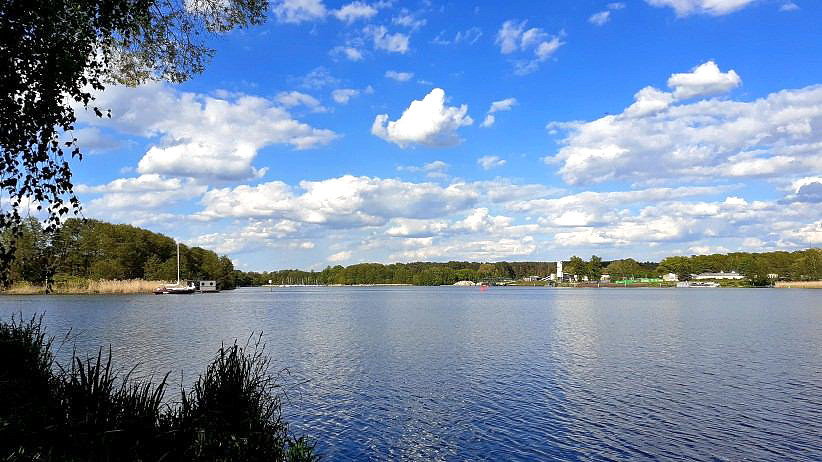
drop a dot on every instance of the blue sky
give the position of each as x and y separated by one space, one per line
344 132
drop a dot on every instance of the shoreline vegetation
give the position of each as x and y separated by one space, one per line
135 286
88 410
85 286
91 257
81 251
798 285
757 269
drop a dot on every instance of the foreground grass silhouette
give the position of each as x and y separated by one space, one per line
85 411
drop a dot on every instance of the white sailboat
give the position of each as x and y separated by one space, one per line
175 288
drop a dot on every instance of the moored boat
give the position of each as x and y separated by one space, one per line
175 288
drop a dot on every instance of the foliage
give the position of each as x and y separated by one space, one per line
27 401
418 273
91 249
57 54
681 266
574 266
801 265
235 396
88 412
594 268
624 268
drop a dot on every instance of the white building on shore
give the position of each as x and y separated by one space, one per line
720 275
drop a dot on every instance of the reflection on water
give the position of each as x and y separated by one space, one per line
508 374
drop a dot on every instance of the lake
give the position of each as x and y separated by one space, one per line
452 373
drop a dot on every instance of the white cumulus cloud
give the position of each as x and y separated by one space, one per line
601 18
705 79
203 136
291 99
428 122
145 192
142 183
488 121
489 162
399 76
503 105
342 202
383 40
408 20
648 101
348 52
343 95
514 37
808 189
710 7
434 169
660 137
297 11
771 136
340 256
354 11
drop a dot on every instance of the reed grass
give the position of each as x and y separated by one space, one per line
86 286
799 284
86 410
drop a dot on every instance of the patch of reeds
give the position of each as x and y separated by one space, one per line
87 411
86 286
799 284
24 288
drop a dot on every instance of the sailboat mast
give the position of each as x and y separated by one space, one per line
178 263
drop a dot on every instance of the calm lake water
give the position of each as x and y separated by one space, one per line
447 373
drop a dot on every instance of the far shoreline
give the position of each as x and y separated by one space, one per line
139 286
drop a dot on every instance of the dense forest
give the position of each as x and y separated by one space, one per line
418 273
432 274
801 265
798 266
97 250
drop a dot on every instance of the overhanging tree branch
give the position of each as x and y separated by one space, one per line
56 53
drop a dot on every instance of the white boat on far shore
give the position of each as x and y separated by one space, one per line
689 284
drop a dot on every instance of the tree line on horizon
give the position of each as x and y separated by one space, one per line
757 267
93 249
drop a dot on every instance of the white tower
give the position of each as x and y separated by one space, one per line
559 270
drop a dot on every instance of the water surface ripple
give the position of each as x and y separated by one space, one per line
452 373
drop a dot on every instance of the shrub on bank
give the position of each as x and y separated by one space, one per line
86 411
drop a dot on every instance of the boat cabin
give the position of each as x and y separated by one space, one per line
208 286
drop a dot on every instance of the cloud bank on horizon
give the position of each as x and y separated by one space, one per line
344 132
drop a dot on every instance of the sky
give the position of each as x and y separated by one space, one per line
387 131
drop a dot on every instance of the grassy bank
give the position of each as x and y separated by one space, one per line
84 410
799 284
86 286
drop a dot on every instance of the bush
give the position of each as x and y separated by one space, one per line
28 399
86 411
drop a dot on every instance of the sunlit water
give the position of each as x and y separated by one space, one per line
411 373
